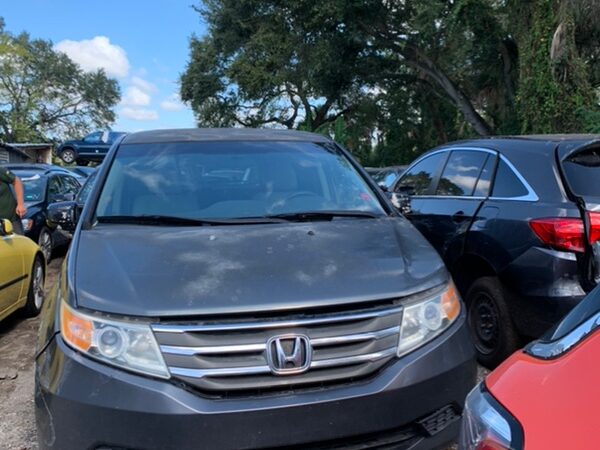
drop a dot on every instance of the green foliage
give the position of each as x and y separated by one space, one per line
44 95
390 80
551 90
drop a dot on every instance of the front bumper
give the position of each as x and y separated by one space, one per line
83 404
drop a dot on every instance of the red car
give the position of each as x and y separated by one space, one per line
546 396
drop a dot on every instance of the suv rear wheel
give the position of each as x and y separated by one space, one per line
492 329
68 155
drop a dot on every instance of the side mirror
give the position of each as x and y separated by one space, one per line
62 198
6 227
63 214
401 202
406 190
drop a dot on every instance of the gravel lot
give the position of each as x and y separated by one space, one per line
17 345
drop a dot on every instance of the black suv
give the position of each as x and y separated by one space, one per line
93 147
245 289
44 185
517 222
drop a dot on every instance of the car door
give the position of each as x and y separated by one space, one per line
444 212
12 272
91 144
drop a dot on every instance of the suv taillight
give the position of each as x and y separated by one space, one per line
594 227
564 233
560 233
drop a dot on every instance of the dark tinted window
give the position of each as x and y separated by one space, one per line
233 180
507 184
71 185
54 186
583 172
483 185
461 173
417 180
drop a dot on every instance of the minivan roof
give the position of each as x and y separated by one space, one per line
220 134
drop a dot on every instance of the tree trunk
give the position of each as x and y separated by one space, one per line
415 58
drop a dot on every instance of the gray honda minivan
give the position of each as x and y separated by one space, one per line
245 289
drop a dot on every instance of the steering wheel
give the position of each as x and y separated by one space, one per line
301 194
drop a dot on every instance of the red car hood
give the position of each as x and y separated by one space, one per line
556 402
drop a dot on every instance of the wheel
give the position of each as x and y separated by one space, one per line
68 155
35 296
45 243
492 329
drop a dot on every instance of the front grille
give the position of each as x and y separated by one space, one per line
229 357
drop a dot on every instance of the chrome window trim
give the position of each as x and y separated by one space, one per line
554 349
531 196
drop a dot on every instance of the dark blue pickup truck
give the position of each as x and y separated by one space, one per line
93 147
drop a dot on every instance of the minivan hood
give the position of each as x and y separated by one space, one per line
213 270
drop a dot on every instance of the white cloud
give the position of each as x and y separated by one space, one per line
142 114
173 103
134 96
142 84
96 53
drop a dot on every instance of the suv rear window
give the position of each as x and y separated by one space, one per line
507 184
583 172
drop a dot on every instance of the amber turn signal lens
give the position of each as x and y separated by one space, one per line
451 302
76 330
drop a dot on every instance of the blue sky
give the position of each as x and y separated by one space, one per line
143 44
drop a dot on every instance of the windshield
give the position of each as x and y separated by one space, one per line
232 180
34 189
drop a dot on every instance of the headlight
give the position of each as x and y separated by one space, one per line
424 320
27 224
124 344
486 425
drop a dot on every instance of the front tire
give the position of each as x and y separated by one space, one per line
68 155
492 328
35 296
45 243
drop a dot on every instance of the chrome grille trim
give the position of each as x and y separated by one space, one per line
234 326
212 350
238 356
350 360
249 348
257 370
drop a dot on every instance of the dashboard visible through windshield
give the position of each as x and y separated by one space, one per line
232 180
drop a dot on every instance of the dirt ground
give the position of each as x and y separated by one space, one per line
17 345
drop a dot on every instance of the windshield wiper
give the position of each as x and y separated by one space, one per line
156 219
308 216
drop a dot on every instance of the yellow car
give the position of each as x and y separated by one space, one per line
22 273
